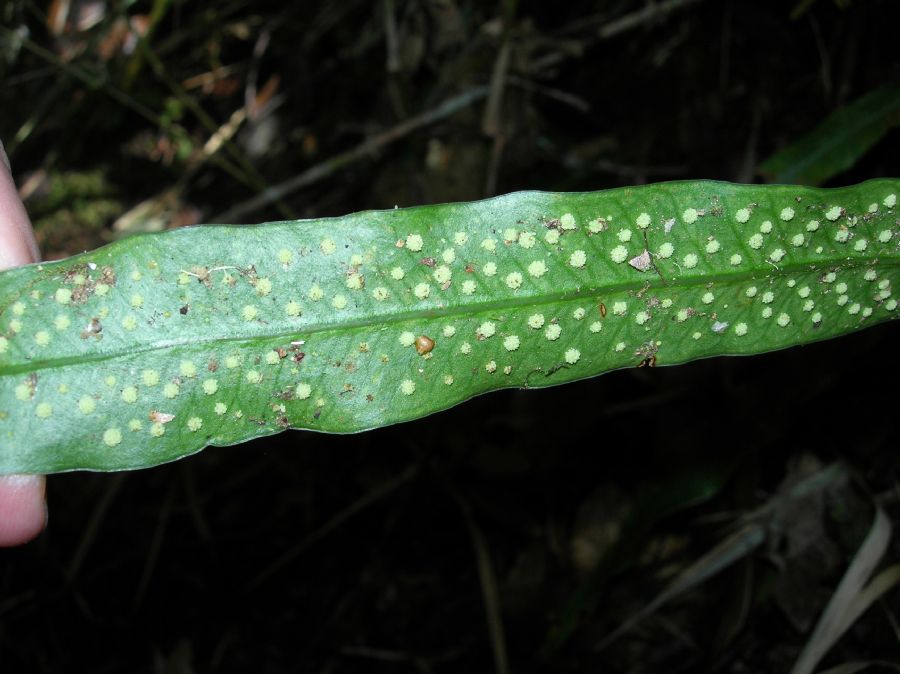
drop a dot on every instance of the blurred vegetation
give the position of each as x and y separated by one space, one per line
516 532
838 142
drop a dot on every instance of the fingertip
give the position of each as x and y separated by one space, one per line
23 508
17 243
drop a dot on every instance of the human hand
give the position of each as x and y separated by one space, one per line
23 511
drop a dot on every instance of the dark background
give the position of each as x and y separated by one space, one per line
381 551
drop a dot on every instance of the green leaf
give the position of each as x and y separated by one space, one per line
838 142
153 347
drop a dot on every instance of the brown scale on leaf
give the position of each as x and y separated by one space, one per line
424 344
77 270
81 293
648 351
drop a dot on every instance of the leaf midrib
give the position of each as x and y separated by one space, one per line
653 281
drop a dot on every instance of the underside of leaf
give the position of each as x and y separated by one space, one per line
154 347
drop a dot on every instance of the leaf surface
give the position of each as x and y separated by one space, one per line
153 347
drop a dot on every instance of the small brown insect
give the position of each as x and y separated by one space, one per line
424 344
428 261
602 308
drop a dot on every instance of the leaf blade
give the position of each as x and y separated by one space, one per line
838 142
151 348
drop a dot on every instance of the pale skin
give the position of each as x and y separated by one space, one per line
23 510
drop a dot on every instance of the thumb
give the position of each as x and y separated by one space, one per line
17 244
23 512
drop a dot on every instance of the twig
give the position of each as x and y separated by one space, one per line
488 581
93 525
564 97
250 89
490 183
723 555
96 82
380 492
385 655
390 38
491 122
638 18
326 168
153 552
618 26
252 176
